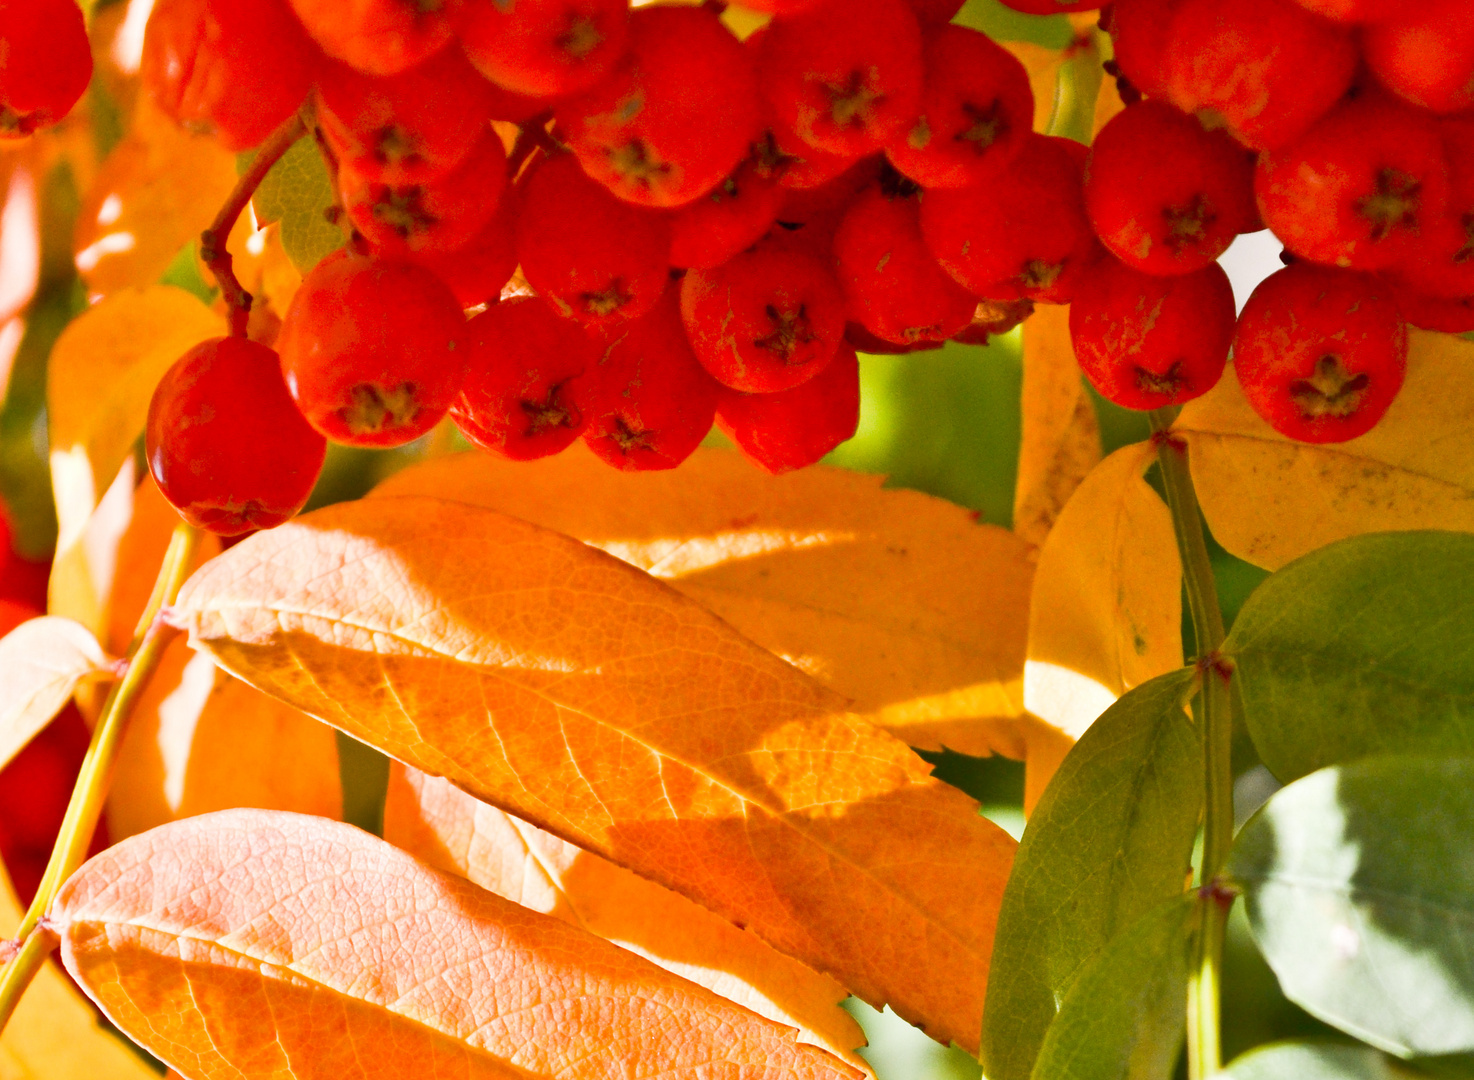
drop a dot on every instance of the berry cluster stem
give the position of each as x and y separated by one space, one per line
150 639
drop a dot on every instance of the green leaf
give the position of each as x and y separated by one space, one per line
298 193
1111 838
1360 892
1365 646
1123 1019
1316 1061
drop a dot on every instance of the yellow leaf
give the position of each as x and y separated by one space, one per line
1269 499
53 1033
85 571
41 662
1043 65
575 691
1107 607
445 827
1061 437
259 945
901 602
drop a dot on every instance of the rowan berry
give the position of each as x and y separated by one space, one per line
47 63
431 217
674 117
652 403
1023 234
809 217
792 429
597 260
1427 55
731 217
1265 69
35 790
544 48
892 284
846 77
976 111
934 13
405 128
1140 30
1443 314
224 441
478 272
1359 187
1320 352
1146 341
1442 265
782 7
373 350
381 37
766 320
1163 194
1355 11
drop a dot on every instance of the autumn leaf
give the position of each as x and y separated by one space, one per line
298 193
1269 499
41 662
899 601
1043 65
555 682
84 572
260 944
442 825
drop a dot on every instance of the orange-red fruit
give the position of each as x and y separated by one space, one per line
767 320
1320 352
596 260
976 111
545 47
1267 69
1426 56
1140 32
225 443
1354 11
478 272
373 351
1147 341
846 76
731 217
1163 194
46 64
782 7
676 114
381 37
529 381
1447 316
1443 264
934 13
795 428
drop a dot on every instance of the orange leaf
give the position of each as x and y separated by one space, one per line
560 684
439 823
41 662
258 945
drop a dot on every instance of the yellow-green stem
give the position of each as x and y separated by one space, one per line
21 970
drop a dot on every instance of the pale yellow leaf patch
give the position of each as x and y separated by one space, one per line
1043 65
41 662
84 572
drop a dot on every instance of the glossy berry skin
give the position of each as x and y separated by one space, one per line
1268 68
730 218
528 383
846 77
598 261
652 402
793 429
373 351
1140 32
977 109
544 48
892 283
1359 188
477 272
1023 235
1163 194
1320 353
1147 341
676 114
380 37
768 320
1427 56
225 443
47 63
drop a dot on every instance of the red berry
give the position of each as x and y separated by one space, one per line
892 284
768 320
1443 264
405 128
976 111
35 788
1053 7
1267 69
1164 195
732 217
373 351
226 444
1320 352
1447 316
795 428
1140 32
811 216
934 13
1355 11
1147 341
598 261
846 76
546 47
652 402
47 63
675 116
1023 234
381 37
1426 56
782 7
528 383
432 216
478 272
803 167
1359 187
